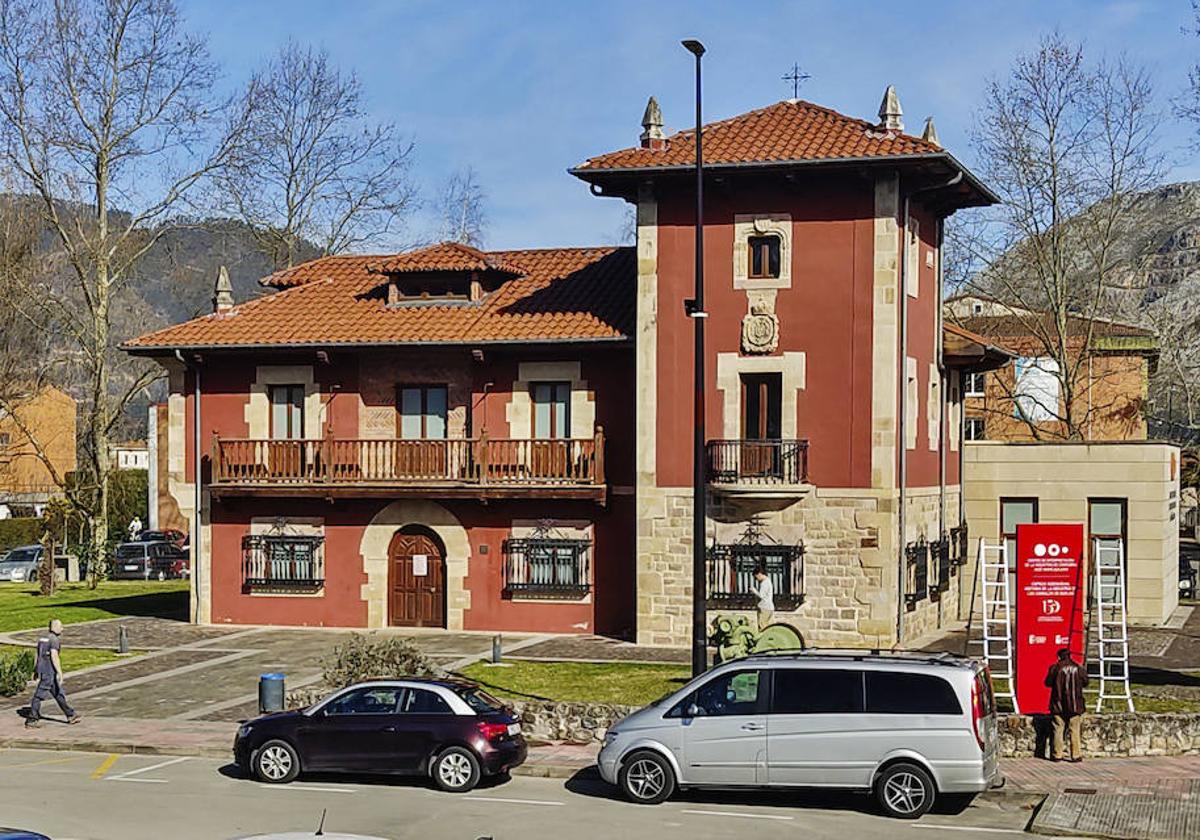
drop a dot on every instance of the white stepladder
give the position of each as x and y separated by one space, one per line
996 622
1109 632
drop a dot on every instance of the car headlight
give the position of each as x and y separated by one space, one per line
243 730
610 738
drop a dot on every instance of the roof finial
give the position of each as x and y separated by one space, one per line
891 116
929 135
223 292
652 126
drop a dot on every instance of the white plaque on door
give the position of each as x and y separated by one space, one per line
420 565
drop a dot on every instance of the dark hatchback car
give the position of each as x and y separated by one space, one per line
449 730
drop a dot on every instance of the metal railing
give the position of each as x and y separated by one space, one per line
757 461
283 560
731 575
390 461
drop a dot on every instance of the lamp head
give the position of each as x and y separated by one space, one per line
694 47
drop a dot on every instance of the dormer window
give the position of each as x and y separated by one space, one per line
764 257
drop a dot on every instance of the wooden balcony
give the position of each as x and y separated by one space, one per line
480 468
766 468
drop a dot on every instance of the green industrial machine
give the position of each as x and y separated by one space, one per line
734 637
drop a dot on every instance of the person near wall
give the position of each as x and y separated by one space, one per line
765 590
1066 679
48 670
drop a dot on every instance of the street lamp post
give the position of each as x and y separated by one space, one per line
695 310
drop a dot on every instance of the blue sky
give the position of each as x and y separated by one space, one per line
524 90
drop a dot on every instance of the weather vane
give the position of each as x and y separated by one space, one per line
795 76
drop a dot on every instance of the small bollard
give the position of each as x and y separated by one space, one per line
122 639
496 649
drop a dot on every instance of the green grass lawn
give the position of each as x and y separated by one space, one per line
22 608
608 682
73 659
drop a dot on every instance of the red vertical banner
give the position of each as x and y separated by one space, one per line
1050 605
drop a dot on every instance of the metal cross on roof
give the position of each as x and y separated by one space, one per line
796 76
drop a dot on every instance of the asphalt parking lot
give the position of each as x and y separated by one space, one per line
94 796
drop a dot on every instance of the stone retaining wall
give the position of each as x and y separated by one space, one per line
1125 734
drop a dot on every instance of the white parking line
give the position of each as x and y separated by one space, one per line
736 814
139 781
514 801
123 777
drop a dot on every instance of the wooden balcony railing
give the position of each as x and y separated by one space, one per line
389 463
758 462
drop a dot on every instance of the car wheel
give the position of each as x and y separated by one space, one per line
646 778
456 770
276 762
905 791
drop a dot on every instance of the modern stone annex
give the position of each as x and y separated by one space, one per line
502 440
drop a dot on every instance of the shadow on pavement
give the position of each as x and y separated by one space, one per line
587 782
232 771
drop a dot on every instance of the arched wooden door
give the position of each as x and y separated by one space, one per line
416 579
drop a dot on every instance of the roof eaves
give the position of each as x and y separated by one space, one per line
584 172
157 349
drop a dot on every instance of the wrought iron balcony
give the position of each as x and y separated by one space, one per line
463 467
758 467
731 568
272 561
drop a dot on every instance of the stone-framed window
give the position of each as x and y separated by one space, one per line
755 237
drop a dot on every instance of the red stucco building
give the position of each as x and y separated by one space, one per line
501 440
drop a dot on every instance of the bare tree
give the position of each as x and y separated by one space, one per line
461 210
103 103
312 169
1069 145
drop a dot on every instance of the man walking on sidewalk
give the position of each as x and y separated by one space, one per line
50 675
1066 679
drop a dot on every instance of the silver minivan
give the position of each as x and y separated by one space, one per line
906 727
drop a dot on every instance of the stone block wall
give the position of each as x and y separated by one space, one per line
851 562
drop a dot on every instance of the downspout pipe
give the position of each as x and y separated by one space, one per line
195 537
902 420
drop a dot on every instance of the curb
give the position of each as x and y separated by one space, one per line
553 771
117 747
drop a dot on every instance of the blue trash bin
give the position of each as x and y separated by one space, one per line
271 693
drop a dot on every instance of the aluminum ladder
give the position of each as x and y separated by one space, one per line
996 620
1108 629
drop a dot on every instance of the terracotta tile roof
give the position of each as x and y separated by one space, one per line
446 256
792 130
339 267
562 294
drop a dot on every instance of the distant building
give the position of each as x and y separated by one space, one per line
26 481
134 455
1113 364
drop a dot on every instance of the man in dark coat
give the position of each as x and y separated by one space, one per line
49 674
1066 679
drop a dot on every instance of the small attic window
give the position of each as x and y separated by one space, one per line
420 287
764 257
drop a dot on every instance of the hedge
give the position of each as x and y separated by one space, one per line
22 530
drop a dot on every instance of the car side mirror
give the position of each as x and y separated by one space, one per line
692 710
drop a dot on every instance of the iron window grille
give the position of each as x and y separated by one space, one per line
916 588
958 547
547 567
945 565
280 560
731 572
